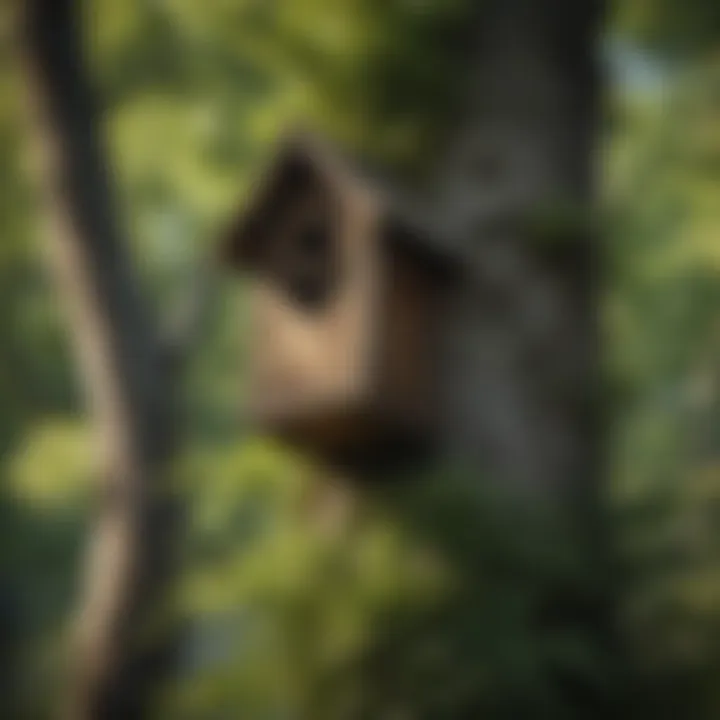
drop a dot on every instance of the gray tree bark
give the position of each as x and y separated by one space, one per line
121 650
517 195
520 378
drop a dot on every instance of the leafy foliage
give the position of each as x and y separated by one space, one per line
433 602
680 29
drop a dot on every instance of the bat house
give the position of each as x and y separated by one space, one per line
346 305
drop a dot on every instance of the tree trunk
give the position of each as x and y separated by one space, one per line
517 192
520 381
121 652
523 352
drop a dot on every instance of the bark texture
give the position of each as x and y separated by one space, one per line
523 341
120 649
516 194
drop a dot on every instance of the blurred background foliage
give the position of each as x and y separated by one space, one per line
287 620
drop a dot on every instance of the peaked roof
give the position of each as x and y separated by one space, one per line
302 158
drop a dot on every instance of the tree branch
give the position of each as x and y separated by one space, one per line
129 394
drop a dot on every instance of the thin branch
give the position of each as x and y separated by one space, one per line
130 397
